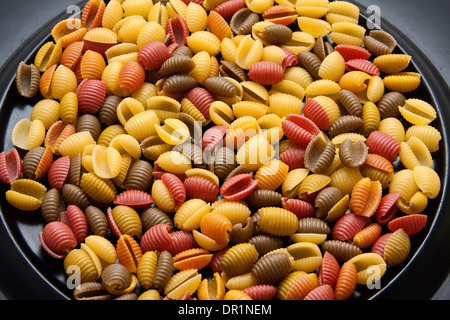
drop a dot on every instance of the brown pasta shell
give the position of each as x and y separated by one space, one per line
152 216
272 268
276 34
91 291
325 200
232 70
179 83
310 62
222 163
73 194
353 154
194 126
341 250
263 198
319 155
75 170
243 20
90 123
183 50
27 79
193 152
52 205
139 176
351 102
322 48
116 277
164 270
313 225
176 64
344 124
97 221
265 243
108 111
220 86
389 103
38 157
241 233
379 42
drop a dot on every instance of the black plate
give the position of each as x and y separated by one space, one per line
30 273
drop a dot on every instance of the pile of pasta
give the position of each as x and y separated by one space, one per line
223 150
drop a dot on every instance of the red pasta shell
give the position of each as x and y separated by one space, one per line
411 224
362 65
228 8
201 188
58 171
91 94
350 52
178 30
153 55
387 209
323 292
10 166
158 172
347 226
290 60
261 291
131 76
238 187
329 270
383 144
215 261
294 157
57 239
112 223
78 222
212 136
182 240
175 187
156 238
302 209
316 113
378 246
201 98
136 199
266 72
299 129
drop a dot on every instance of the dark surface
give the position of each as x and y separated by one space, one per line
423 22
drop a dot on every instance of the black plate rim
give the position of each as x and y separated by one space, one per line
437 236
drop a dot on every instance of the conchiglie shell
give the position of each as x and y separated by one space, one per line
28 134
402 82
427 134
427 180
204 41
369 267
415 153
47 111
417 111
213 289
26 194
63 81
179 283
189 214
99 190
107 162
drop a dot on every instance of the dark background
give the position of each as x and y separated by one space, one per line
425 22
